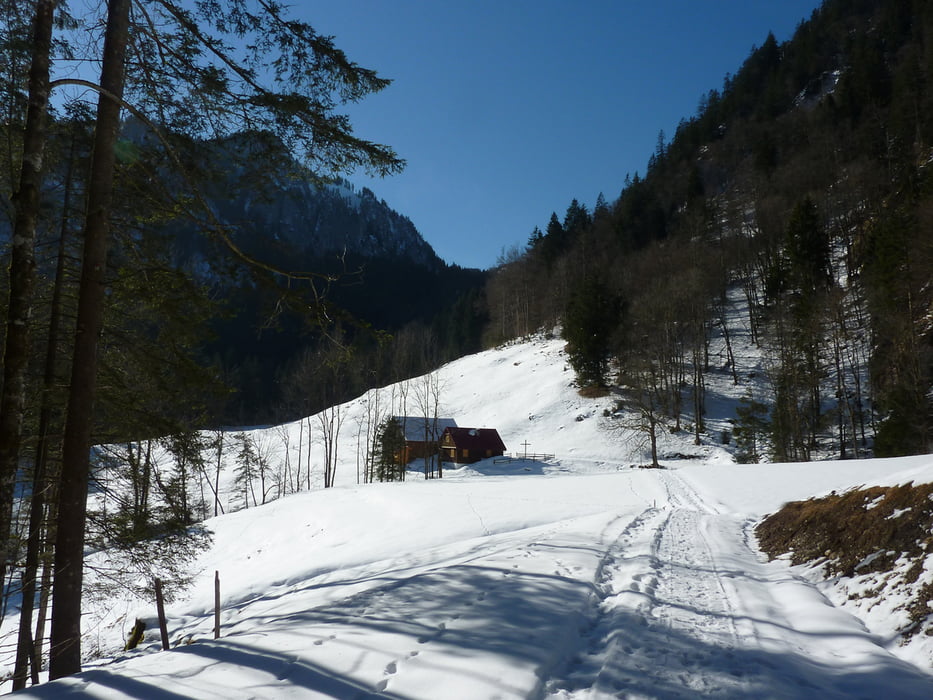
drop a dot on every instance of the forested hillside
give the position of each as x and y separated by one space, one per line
805 181
216 339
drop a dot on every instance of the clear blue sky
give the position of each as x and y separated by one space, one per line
506 110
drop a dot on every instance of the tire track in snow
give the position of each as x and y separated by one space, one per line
686 609
665 625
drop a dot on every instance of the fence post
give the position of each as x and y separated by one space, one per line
216 605
160 607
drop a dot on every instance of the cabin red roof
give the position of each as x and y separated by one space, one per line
479 439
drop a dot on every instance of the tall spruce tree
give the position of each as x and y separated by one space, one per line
590 320
390 461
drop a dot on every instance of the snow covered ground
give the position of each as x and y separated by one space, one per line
585 577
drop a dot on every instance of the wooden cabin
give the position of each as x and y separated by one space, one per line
422 435
468 445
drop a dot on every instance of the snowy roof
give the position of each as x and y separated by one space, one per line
414 427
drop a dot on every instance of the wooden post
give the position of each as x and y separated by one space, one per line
216 605
160 607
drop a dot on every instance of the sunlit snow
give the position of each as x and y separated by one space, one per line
584 577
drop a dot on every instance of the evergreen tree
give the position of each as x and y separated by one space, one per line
591 318
187 449
601 210
897 271
751 428
247 468
576 221
808 251
554 241
809 270
640 218
390 451
534 240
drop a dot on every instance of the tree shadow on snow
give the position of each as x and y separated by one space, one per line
550 624
644 658
514 467
288 669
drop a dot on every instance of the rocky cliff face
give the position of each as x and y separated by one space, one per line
323 220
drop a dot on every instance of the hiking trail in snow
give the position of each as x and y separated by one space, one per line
686 608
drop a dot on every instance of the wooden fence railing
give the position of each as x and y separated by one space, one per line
534 457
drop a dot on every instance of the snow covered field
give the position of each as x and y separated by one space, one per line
584 577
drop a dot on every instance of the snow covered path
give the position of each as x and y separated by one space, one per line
623 585
689 610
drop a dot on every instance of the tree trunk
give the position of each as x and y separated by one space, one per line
65 652
23 273
45 586
220 452
653 436
41 482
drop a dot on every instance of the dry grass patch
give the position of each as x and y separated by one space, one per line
593 391
861 532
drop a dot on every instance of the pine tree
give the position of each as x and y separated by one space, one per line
534 240
390 458
591 318
187 449
751 428
247 467
601 210
554 241
576 221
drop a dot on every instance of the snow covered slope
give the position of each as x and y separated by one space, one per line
582 578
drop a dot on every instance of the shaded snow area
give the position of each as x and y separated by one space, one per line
580 578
